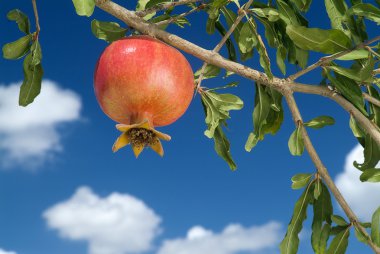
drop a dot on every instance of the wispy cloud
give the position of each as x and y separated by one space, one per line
363 198
233 239
116 224
29 135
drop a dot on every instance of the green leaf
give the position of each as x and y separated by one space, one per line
36 53
21 19
349 89
366 10
375 227
302 5
230 17
339 220
323 210
84 7
217 107
222 147
31 85
17 49
280 58
229 85
370 175
210 25
247 39
269 13
211 71
286 13
300 180
229 43
289 244
260 113
154 3
315 39
108 31
356 130
317 189
340 242
360 236
371 154
336 10
295 144
363 74
354 55
375 110
320 122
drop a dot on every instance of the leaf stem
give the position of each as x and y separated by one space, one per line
327 59
218 47
38 28
164 6
321 169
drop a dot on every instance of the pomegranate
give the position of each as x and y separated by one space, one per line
141 83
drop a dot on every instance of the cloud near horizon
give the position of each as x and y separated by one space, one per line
233 239
116 224
122 224
364 198
29 135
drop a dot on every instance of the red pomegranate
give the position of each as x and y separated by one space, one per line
141 83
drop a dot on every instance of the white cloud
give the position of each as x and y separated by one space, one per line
7 252
116 224
29 134
363 198
232 240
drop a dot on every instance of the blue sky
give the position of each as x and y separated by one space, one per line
62 190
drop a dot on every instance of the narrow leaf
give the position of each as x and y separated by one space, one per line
320 122
375 227
301 180
31 85
289 244
21 19
340 242
17 49
84 7
315 39
366 10
339 220
108 31
295 144
370 175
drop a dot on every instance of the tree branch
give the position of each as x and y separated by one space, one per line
38 28
281 85
323 171
224 39
327 59
371 99
164 6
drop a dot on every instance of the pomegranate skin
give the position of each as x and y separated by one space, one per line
140 78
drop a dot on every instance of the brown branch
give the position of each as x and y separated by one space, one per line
219 46
327 59
38 28
164 6
322 171
371 99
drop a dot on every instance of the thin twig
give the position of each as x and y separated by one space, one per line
216 59
371 99
182 15
373 52
164 6
323 171
38 28
224 39
327 59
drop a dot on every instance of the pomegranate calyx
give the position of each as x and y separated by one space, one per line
139 136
